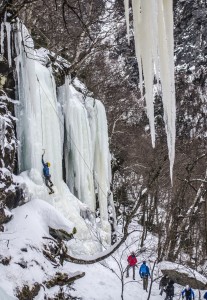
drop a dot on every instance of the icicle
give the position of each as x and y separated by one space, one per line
2 38
153 32
126 5
8 34
166 53
137 31
2 34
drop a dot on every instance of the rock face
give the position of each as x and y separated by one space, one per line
8 141
191 58
7 134
190 33
184 275
8 146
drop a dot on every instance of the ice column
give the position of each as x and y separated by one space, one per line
38 125
77 146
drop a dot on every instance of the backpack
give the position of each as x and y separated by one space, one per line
188 292
170 290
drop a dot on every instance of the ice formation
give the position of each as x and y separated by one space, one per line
72 129
154 44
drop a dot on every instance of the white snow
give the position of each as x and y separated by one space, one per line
5 296
26 231
154 45
23 241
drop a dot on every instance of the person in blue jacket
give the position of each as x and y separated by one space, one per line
188 293
205 296
46 173
144 274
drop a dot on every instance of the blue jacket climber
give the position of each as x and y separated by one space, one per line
46 172
205 296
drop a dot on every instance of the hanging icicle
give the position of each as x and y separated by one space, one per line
154 45
8 35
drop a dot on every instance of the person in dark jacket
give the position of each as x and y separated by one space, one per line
188 293
132 261
19 195
163 283
144 274
205 296
169 290
47 176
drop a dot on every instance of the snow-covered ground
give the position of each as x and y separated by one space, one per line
23 241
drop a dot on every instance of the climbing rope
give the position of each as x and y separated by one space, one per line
41 111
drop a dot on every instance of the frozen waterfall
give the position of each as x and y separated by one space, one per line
72 129
154 45
87 159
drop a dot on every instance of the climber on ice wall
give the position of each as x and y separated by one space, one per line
47 175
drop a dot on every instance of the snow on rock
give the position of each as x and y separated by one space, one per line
154 45
23 241
183 275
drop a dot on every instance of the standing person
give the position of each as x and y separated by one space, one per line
47 175
19 195
144 274
188 293
205 296
132 261
163 283
169 290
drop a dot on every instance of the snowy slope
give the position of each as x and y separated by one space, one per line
23 242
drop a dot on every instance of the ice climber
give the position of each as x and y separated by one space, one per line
47 175
163 283
132 261
188 293
144 274
169 290
205 296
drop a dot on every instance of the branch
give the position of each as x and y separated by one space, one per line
115 246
